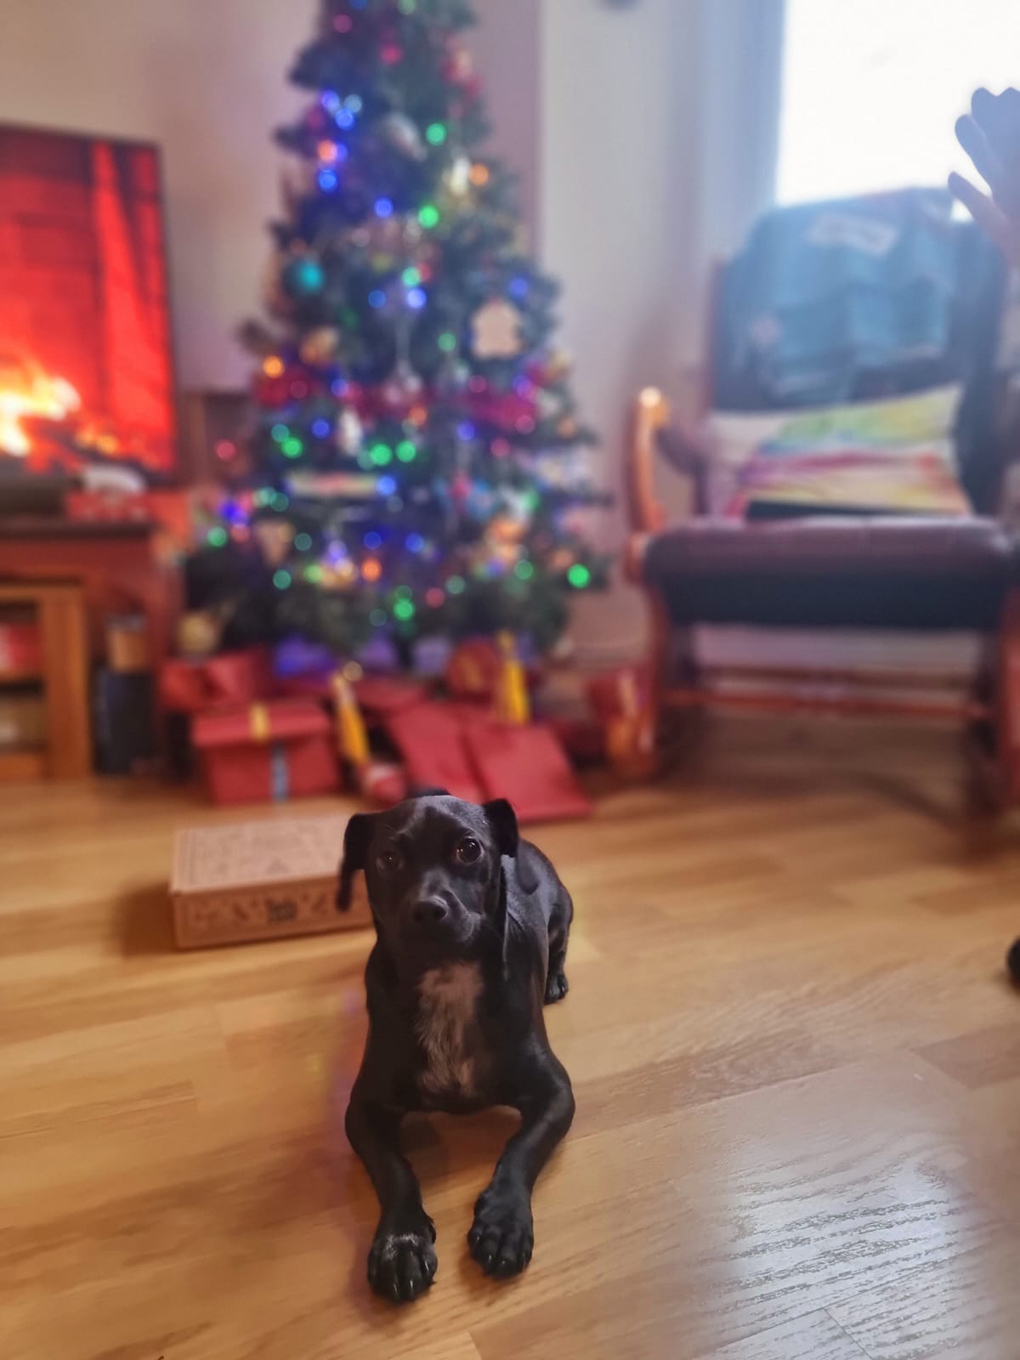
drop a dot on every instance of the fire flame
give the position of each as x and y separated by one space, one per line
33 394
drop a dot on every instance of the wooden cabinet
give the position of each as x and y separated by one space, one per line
62 677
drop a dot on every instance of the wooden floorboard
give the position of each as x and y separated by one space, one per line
796 1059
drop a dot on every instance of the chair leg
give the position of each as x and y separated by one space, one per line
1006 703
985 784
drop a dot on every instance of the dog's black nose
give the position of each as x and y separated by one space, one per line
429 912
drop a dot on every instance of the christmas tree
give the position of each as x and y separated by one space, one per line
414 462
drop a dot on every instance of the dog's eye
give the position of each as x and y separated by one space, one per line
468 851
389 861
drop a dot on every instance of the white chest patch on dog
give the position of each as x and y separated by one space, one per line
446 1018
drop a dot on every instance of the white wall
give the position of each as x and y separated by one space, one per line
206 79
618 155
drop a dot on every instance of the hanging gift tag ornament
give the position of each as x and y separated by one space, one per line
350 433
496 330
399 132
458 179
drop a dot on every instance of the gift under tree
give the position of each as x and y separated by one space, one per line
414 466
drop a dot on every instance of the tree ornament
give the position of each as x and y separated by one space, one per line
403 135
402 389
458 177
350 433
274 538
459 67
496 330
319 347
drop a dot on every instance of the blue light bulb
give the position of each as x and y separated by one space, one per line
320 428
328 181
373 540
377 298
384 207
386 487
416 298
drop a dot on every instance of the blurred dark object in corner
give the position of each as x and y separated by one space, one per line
123 700
42 497
123 706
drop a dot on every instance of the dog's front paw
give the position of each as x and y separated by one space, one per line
502 1236
402 1263
556 988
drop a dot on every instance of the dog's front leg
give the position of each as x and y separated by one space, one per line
502 1235
402 1262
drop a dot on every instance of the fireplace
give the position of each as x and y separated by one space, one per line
86 375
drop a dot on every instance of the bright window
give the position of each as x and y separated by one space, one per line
872 89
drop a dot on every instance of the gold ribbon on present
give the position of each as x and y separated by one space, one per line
352 734
258 723
512 703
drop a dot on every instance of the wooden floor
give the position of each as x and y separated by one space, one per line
797 1067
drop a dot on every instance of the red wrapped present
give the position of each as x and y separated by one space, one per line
267 751
232 678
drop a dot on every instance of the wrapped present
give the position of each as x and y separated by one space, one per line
474 669
382 782
381 695
261 881
267 751
195 686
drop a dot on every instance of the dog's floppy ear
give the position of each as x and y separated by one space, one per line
503 823
356 842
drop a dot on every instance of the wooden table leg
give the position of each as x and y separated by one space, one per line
65 646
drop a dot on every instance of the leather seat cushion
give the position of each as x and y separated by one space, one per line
835 573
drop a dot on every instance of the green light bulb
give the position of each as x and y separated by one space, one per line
406 451
302 542
381 454
217 537
282 579
411 276
429 216
524 570
436 133
579 576
447 342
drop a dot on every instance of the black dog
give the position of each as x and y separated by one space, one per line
472 927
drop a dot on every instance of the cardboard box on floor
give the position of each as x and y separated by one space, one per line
260 881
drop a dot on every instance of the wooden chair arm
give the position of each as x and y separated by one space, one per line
651 412
683 450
